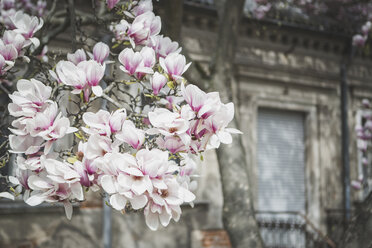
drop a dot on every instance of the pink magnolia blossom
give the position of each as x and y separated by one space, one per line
203 104
59 182
98 146
25 144
7 4
169 123
366 28
157 82
49 126
86 168
71 75
94 72
217 124
27 26
30 97
172 143
174 65
11 37
148 61
165 204
115 182
9 52
143 28
131 135
111 3
164 46
359 40
143 7
134 62
104 123
120 30
77 57
100 52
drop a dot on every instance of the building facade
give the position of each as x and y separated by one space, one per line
288 97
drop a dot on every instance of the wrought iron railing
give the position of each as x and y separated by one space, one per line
290 230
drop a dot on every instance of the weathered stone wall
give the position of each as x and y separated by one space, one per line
277 67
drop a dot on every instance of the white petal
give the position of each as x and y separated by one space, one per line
224 137
7 195
152 221
118 201
233 130
108 185
138 202
68 209
35 200
97 90
165 218
13 180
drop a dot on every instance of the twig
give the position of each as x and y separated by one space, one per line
117 104
4 89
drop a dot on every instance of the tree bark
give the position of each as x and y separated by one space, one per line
238 212
358 233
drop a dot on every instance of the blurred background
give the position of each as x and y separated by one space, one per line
298 76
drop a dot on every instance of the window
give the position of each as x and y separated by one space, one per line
281 176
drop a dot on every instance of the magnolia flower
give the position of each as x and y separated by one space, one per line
200 102
165 204
104 123
143 28
59 182
98 146
217 124
72 75
155 213
94 72
11 37
100 52
169 124
49 126
164 46
157 82
133 62
9 52
86 168
77 57
111 3
366 28
131 135
359 40
148 60
29 98
174 65
142 7
25 144
7 4
115 181
120 30
156 165
171 143
27 26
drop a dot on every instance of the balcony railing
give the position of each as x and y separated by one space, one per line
290 230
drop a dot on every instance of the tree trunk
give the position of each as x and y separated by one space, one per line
359 232
238 212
